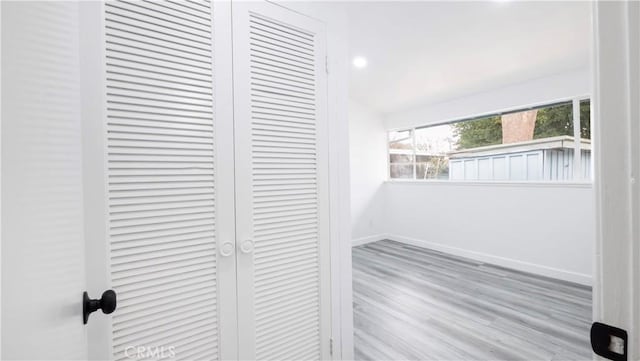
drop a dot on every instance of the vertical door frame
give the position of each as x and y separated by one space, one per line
340 185
616 129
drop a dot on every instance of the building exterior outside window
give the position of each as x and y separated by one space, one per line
538 144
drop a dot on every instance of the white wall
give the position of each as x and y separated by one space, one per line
544 229
368 152
534 92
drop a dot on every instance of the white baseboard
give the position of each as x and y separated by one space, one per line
580 278
368 239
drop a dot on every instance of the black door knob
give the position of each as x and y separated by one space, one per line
107 303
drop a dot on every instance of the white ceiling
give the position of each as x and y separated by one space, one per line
426 52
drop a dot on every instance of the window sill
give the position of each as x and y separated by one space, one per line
531 184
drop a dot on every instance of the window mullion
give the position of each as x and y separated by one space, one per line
413 136
577 141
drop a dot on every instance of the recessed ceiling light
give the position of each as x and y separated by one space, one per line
360 62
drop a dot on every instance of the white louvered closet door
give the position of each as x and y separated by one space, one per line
281 183
168 251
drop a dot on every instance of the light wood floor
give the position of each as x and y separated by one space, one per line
418 304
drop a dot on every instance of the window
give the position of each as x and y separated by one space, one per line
433 145
401 154
538 144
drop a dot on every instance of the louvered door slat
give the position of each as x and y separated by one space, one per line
140 246
174 13
140 313
167 57
117 78
176 97
280 116
122 210
186 7
140 39
125 13
161 176
278 40
166 303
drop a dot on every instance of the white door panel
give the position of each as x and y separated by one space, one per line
281 183
43 270
154 131
161 179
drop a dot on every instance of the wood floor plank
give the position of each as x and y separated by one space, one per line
412 303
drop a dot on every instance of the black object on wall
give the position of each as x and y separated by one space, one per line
609 342
107 303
